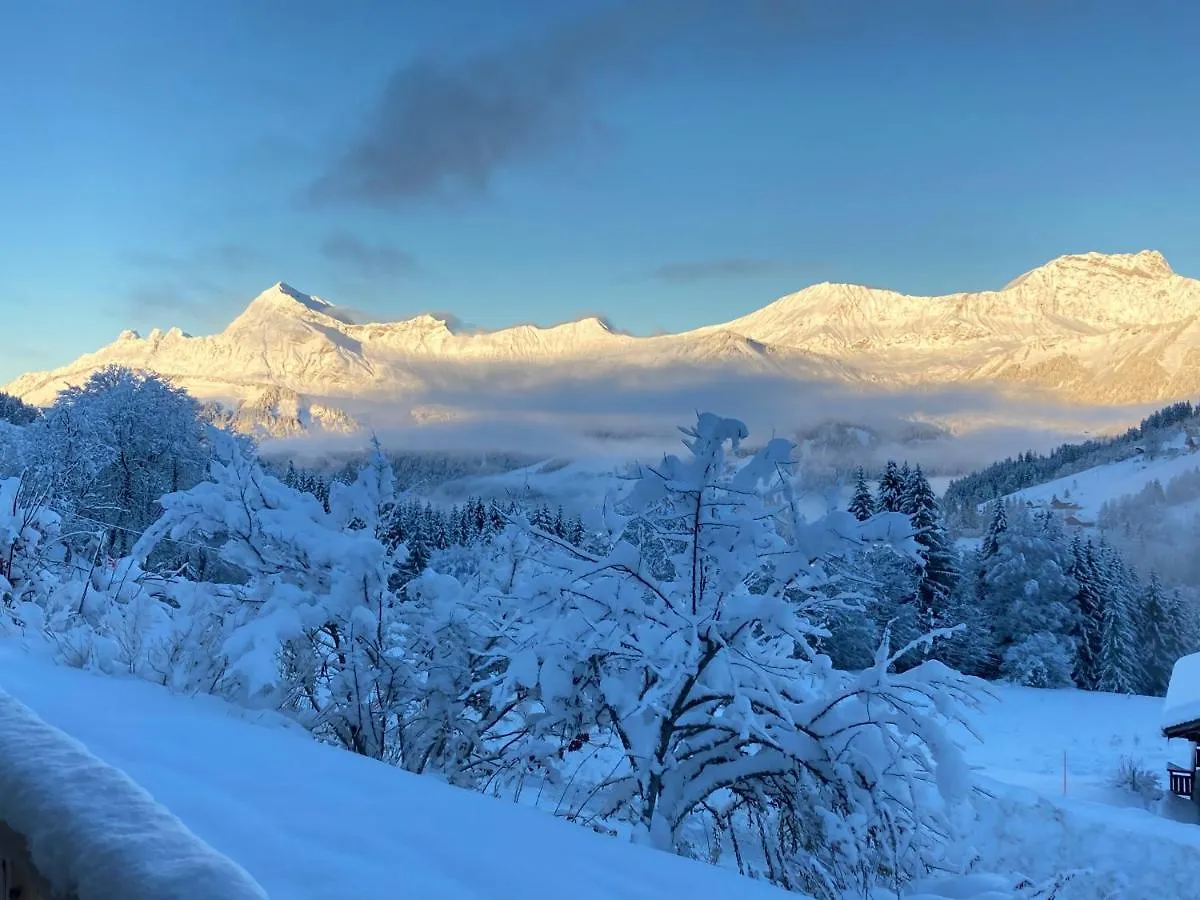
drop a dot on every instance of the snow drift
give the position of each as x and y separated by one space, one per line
92 832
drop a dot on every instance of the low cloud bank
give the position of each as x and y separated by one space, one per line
547 412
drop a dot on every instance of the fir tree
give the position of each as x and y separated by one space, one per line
939 571
891 489
1160 636
416 563
575 532
495 518
1120 669
1089 605
998 525
862 505
907 486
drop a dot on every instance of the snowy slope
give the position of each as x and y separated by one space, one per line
1090 489
310 822
1118 328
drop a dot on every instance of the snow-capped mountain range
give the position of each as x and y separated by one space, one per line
1095 328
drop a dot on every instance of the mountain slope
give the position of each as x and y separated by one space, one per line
1106 329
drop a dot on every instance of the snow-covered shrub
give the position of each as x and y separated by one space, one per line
323 640
29 533
699 663
1041 660
1133 776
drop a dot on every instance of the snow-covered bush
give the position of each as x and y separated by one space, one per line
1135 777
1041 660
320 638
29 533
699 663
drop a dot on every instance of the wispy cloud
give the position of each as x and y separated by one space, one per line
192 287
710 269
444 128
365 259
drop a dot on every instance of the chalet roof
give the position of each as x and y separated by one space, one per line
1181 709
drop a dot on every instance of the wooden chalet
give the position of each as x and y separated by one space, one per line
1181 721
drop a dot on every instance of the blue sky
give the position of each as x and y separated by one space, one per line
666 164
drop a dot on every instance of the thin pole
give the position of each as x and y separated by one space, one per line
1064 773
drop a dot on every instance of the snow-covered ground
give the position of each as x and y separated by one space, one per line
1135 850
310 821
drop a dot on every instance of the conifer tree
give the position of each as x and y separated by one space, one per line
862 505
998 525
939 572
907 487
891 489
575 532
495 518
1089 605
1120 668
1160 636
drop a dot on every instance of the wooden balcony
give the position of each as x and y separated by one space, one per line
1182 781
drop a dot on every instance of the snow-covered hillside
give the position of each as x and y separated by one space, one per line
1083 494
1109 329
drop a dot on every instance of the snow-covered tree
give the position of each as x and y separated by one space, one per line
16 411
323 641
1119 666
891 489
939 563
29 531
862 504
1024 584
703 672
1088 602
996 527
109 449
1162 635
1041 660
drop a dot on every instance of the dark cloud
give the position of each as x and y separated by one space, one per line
367 260
708 269
443 128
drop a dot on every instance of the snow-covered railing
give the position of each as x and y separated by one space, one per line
74 828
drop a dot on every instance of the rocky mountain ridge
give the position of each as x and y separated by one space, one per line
1095 328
